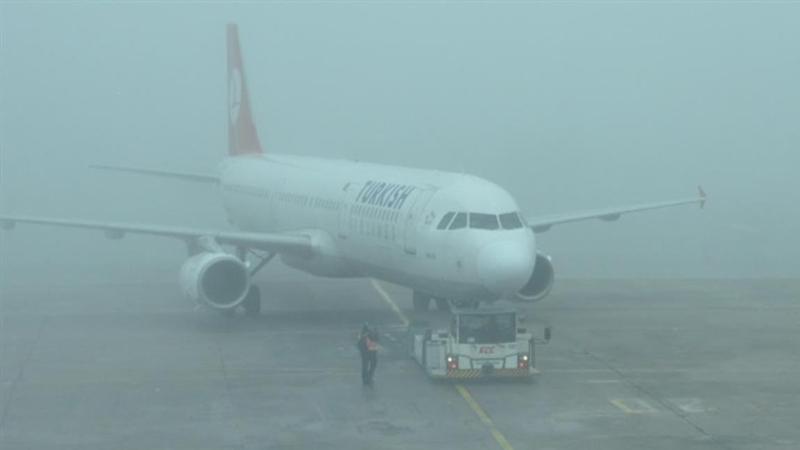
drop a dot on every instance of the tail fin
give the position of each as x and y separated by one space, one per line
242 134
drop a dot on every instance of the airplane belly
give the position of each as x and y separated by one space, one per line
328 259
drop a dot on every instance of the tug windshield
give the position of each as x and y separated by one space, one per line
486 329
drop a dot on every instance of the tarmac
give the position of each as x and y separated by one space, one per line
701 364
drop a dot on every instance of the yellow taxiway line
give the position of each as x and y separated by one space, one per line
496 434
386 298
465 394
621 405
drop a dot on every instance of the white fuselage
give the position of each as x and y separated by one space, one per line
371 220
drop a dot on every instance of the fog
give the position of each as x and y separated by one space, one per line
673 328
569 106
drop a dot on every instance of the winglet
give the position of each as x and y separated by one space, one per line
242 134
702 195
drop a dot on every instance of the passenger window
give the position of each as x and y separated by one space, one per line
510 221
459 222
483 221
445 221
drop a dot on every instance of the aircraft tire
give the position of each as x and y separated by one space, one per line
421 302
252 303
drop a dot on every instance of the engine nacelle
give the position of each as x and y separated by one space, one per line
217 280
540 282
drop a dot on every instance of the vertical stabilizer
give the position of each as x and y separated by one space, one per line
242 134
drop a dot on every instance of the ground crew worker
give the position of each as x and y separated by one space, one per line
368 348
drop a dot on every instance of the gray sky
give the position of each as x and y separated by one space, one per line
568 105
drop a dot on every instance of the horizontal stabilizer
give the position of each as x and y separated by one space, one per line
186 176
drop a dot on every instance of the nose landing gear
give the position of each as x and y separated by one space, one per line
421 301
466 304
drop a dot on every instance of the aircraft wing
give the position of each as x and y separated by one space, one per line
543 223
274 242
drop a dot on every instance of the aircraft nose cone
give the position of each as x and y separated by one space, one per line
504 267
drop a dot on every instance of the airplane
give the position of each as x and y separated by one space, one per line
450 237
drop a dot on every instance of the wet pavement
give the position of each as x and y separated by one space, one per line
632 364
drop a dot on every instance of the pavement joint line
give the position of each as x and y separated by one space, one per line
8 396
81 380
473 404
386 298
235 420
601 381
638 387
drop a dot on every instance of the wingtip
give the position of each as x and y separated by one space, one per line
701 195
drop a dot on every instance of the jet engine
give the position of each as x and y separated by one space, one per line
217 280
540 282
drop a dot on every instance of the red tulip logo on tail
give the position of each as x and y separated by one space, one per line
242 135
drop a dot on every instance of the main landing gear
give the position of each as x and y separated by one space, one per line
442 304
252 301
466 304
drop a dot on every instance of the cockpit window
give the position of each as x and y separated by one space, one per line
483 221
445 221
510 221
459 222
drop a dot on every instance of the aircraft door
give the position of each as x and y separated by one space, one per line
414 221
346 218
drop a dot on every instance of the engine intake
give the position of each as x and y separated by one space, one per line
217 280
540 282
